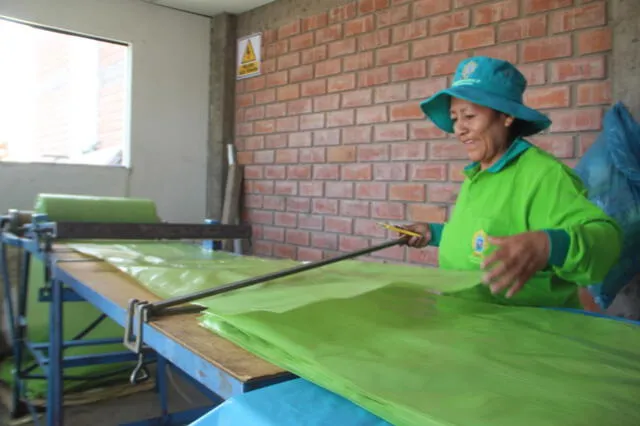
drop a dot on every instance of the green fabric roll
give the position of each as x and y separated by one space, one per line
83 208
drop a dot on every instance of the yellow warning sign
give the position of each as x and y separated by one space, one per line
249 56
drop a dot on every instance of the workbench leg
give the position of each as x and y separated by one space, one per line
161 368
55 389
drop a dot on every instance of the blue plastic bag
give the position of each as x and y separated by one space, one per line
610 169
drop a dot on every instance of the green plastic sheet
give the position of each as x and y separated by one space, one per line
397 341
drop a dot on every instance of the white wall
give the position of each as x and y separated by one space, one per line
169 107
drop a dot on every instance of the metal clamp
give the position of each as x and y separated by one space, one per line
139 310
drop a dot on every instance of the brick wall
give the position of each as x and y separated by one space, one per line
331 134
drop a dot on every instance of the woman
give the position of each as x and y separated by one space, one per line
521 214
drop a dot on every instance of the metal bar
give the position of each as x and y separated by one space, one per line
157 307
55 412
148 231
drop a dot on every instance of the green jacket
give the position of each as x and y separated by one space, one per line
529 190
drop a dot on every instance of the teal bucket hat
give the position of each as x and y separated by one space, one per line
489 82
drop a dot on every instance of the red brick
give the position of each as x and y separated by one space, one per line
287 124
255 83
471 39
312 155
354 208
256 216
374 40
254 142
368 6
390 132
592 67
545 49
287 156
428 171
447 151
390 171
253 172
392 93
273 202
284 251
245 157
289 61
326 171
386 210
244 100
465 3
393 16
255 113
430 46
535 74
443 192
410 31
265 126
368 227
349 243
273 233
286 188
299 106
374 114
585 142
308 221
299 139
406 111
445 65
424 8
576 120
590 15
311 189
357 98
311 121
295 236
342 13
277 79
495 12
407 192
313 88
341 83
262 248
329 34
244 129
396 253
308 254
535 26
299 172
594 93
263 187
341 154
339 189
253 201
290 220
328 67
456 170
507 52
373 152
275 110
338 224
356 135
422 89
358 61
535 6
302 73
356 172
373 77
592 41
326 103
269 66
558 145
326 137
314 22
265 96
427 256
409 151
359 25
289 92
392 55
342 47
298 204
340 118
275 141
548 97
425 213
289 29
371 191
451 22
409 71
315 54
324 240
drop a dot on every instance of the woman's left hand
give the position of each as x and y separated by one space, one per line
515 260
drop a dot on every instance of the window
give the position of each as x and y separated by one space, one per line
63 98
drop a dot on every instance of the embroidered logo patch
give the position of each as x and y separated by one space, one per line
468 69
479 242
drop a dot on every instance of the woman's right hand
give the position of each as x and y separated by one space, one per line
419 228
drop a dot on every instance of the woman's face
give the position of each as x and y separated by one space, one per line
483 131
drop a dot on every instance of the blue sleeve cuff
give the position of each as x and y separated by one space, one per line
436 233
559 241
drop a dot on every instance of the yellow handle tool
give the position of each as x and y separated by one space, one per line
400 230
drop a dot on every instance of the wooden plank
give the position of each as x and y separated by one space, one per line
119 288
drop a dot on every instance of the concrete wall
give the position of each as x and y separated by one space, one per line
332 136
169 107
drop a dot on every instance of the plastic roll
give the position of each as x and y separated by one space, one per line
83 208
